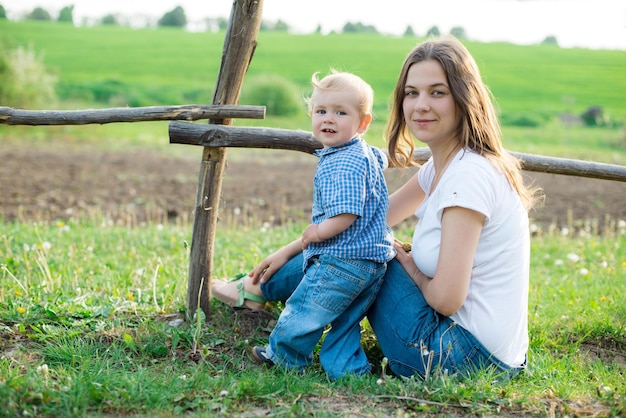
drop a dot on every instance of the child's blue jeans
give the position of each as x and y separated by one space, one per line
333 291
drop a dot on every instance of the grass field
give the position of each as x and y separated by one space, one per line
538 79
88 327
90 311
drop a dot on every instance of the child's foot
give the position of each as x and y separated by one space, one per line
236 295
260 356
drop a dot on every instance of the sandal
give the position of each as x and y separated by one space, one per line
234 295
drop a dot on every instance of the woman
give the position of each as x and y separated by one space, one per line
457 302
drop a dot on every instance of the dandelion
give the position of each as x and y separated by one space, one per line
584 272
603 298
43 369
21 310
26 248
558 262
160 227
237 211
624 264
130 296
46 246
573 257
565 231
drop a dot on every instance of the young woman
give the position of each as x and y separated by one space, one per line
458 301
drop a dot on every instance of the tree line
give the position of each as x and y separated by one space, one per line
178 18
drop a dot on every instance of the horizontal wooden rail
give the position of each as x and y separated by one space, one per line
208 135
11 116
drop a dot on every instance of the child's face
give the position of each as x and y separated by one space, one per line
336 118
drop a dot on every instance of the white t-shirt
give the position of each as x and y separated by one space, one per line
496 308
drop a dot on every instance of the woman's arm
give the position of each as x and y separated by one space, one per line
447 290
404 201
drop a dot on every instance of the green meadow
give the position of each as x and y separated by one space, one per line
535 86
91 310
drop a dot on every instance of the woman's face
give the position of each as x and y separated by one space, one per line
428 106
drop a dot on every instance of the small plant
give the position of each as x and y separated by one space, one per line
26 82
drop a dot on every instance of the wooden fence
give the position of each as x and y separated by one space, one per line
216 136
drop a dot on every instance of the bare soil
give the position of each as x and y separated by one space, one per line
52 182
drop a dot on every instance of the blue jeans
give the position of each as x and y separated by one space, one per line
406 327
333 291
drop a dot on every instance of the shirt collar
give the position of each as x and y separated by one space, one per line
330 150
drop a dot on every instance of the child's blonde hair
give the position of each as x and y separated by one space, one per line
337 81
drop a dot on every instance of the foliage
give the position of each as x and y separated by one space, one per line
39 13
66 14
433 32
277 94
358 27
3 12
550 40
109 19
26 83
174 18
409 31
458 32
562 81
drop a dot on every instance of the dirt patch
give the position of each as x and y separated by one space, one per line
49 183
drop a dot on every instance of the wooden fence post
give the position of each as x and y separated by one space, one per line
239 46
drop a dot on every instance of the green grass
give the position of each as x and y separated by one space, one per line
167 62
85 308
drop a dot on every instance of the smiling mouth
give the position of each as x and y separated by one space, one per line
329 131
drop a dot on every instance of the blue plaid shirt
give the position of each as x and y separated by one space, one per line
349 179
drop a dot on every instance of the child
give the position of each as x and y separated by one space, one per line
346 247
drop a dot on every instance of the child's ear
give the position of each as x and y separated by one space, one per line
365 123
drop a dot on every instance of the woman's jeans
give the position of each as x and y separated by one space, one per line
333 291
415 339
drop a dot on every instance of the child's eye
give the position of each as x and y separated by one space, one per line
341 113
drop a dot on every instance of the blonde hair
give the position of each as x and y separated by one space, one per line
478 128
337 81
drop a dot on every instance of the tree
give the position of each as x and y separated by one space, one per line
39 14
281 26
434 31
409 31
550 40
458 32
3 13
358 28
66 14
110 20
174 18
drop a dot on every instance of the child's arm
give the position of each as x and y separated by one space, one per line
327 229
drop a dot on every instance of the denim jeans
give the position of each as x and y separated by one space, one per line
333 291
406 327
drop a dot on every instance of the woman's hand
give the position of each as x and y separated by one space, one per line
403 255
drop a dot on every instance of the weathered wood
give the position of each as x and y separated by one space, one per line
239 46
11 116
242 137
232 136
